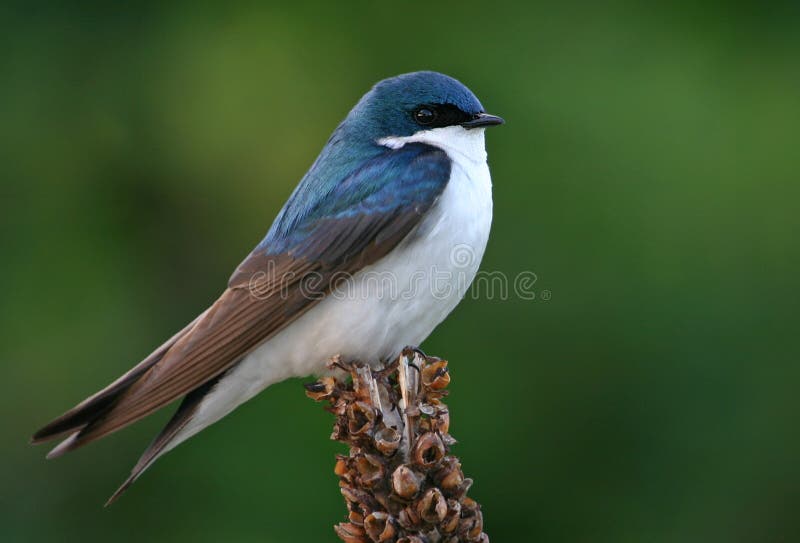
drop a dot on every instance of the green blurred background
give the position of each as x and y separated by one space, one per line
648 174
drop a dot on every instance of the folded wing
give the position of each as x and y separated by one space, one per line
358 221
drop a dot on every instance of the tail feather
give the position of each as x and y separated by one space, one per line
94 408
159 445
63 447
97 416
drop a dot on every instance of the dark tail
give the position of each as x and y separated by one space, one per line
92 410
178 421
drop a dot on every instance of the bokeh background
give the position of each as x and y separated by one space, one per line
647 174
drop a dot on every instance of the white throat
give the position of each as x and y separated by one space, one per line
458 142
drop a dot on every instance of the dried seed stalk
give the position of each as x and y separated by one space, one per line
400 482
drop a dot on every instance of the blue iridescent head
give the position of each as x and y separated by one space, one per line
405 104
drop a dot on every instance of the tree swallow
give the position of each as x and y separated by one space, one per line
373 249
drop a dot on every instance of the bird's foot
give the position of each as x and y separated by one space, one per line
411 350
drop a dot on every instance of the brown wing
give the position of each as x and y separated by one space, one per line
389 195
265 294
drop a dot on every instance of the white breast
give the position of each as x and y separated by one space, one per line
400 299
397 301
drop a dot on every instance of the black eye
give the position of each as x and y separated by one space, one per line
425 116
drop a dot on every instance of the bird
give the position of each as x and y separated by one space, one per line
375 246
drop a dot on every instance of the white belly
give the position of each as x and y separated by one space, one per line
397 301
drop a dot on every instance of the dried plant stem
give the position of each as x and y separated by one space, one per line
399 481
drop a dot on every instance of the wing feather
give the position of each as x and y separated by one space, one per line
266 292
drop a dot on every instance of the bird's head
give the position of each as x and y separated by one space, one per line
411 103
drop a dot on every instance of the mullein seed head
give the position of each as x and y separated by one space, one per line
399 481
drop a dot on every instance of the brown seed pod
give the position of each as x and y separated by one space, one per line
442 421
435 375
370 469
412 539
449 440
350 533
425 425
356 517
471 524
321 389
356 495
477 528
409 519
461 490
360 418
405 482
428 450
338 406
380 527
450 475
450 522
432 507
387 440
340 468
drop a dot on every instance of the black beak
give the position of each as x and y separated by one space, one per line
482 119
